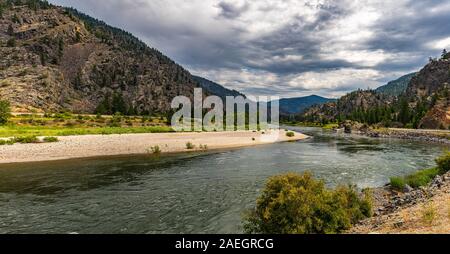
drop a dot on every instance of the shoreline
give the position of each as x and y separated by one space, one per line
432 136
402 212
423 135
87 146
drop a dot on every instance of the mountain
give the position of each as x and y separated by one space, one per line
431 89
294 106
425 103
216 89
54 58
347 106
396 87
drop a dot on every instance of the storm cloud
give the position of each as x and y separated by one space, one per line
286 48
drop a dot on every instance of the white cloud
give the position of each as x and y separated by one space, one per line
285 47
335 78
440 44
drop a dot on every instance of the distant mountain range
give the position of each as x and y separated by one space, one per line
298 105
289 106
216 89
396 87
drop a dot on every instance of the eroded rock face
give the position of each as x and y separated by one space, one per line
438 117
432 84
60 60
431 79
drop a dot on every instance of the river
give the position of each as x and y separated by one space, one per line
188 193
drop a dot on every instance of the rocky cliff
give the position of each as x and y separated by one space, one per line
425 103
54 58
432 85
361 100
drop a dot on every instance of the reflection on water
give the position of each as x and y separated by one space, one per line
191 193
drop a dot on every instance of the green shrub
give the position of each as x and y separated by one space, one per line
290 134
5 112
155 150
11 43
398 183
50 139
299 204
190 146
116 120
26 139
6 142
422 177
443 163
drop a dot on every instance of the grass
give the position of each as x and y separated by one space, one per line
448 212
398 183
429 214
6 142
422 177
67 124
416 180
26 139
204 147
50 139
12 131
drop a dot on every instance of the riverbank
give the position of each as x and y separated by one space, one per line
71 147
422 211
436 136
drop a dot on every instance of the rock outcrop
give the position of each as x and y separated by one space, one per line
54 58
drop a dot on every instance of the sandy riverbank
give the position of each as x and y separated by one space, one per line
72 147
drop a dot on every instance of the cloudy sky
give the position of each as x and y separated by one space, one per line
286 47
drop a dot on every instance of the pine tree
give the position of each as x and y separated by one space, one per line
10 30
11 43
404 114
118 104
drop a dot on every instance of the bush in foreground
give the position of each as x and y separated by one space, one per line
299 204
290 134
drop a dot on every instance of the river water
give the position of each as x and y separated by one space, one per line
189 193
